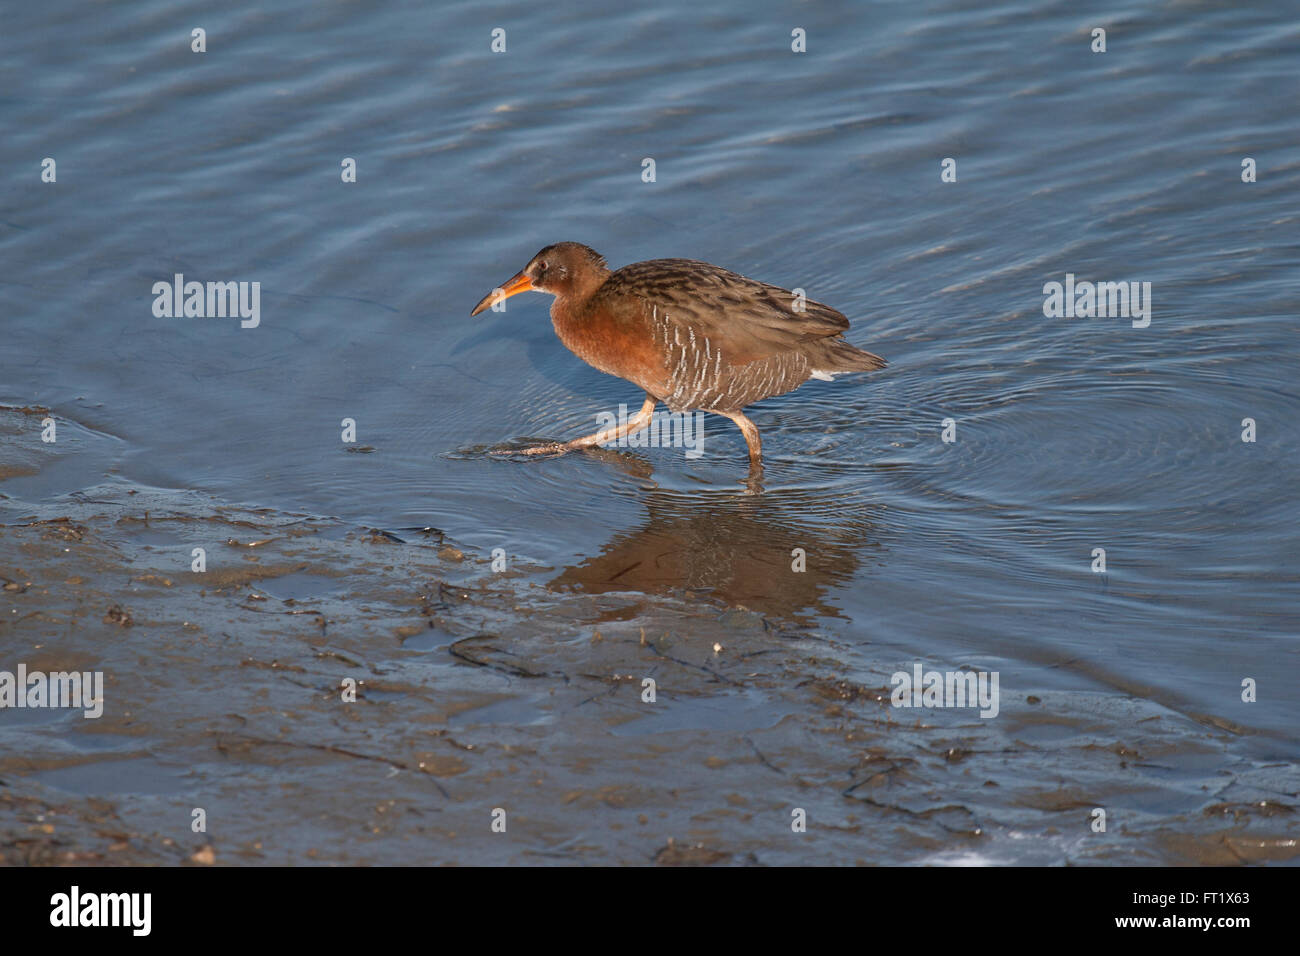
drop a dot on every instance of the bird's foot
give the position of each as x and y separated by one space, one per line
551 448
525 447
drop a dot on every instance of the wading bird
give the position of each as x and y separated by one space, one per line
691 335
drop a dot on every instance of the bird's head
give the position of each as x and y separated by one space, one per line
565 268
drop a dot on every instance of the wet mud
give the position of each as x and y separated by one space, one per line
506 717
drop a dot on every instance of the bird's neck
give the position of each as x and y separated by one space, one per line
571 302
585 285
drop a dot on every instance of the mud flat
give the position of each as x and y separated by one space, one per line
479 692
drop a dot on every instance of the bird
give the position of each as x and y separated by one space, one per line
692 335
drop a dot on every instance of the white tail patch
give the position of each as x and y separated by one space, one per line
823 376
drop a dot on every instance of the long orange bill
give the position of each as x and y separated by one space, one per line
516 284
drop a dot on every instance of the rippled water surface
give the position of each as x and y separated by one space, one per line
819 171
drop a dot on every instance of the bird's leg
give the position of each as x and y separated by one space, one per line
750 431
634 424
754 481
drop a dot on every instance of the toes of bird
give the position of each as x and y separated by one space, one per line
512 449
550 449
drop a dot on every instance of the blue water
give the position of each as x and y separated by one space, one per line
818 170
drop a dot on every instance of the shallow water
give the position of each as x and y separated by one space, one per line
820 171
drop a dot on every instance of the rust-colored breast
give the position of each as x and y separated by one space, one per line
615 340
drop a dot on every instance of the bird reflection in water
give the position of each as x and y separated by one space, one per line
736 550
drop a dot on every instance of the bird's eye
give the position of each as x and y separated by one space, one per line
541 266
